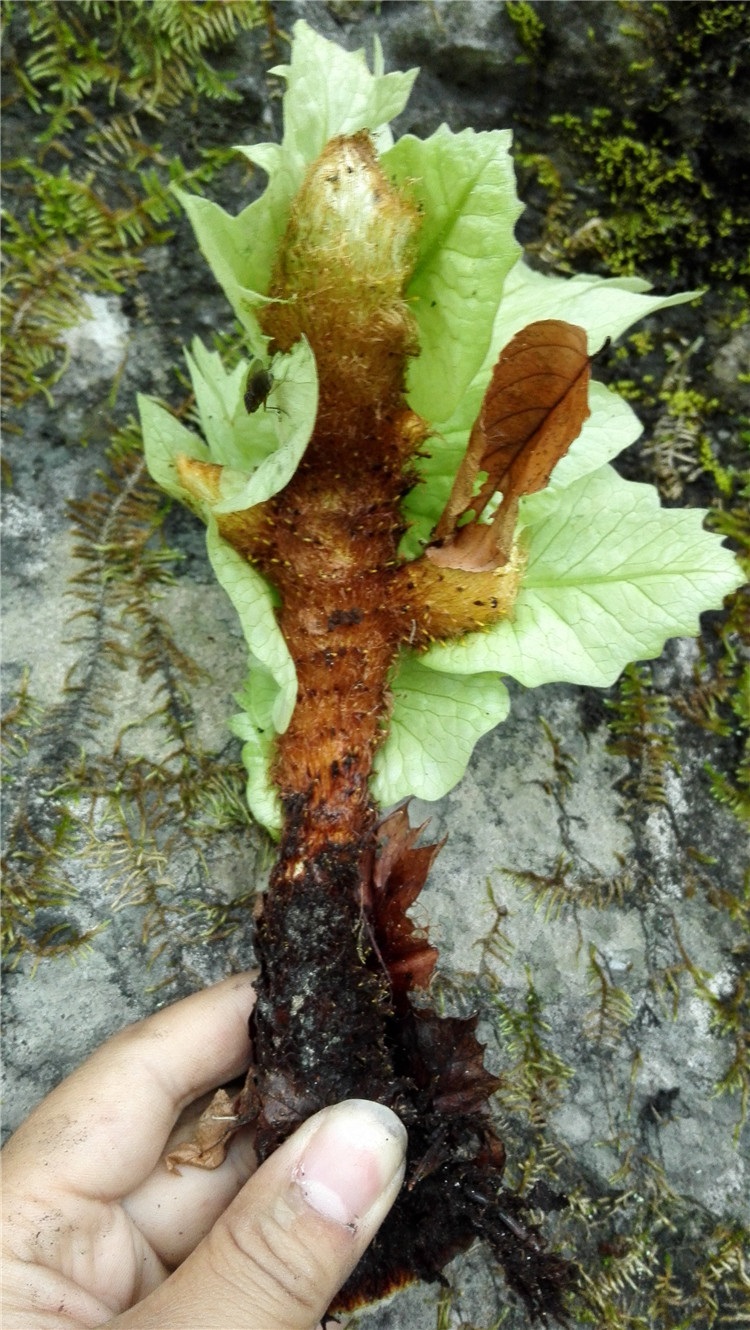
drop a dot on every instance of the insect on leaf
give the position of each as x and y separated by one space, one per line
260 382
533 409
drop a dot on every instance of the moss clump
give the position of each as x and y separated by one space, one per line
528 27
720 699
641 731
672 174
127 818
657 202
93 188
149 54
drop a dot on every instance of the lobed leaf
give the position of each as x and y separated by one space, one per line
605 306
255 726
611 427
295 397
259 453
465 187
610 576
436 721
164 438
331 91
235 439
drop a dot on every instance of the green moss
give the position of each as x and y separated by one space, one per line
612 1011
92 190
642 731
730 1006
129 820
672 188
719 700
528 26
660 209
655 1262
680 452
150 53
532 1084
563 765
678 443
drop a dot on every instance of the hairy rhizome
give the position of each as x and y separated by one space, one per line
311 491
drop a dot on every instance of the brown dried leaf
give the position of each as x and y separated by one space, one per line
213 1132
454 1058
534 408
398 875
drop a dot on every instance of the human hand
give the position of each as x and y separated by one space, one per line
97 1230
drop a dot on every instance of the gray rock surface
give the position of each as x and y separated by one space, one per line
559 877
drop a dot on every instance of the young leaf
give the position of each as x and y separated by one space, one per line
255 726
259 454
164 439
296 396
329 91
234 438
465 187
532 411
604 306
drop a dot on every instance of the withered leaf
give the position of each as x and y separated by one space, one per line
398 875
454 1057
533 409
213 1132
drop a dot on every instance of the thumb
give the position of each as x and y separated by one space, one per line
281 1251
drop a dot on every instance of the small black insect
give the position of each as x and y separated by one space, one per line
258 386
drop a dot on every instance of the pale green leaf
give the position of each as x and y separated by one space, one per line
611 575
235 438
259 452
611 427
254 725
331 91
254 602
604 306
295 406
241 250
465 187
436 721
424 503
164 436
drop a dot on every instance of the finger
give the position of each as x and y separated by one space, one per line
279 1254
121 1104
